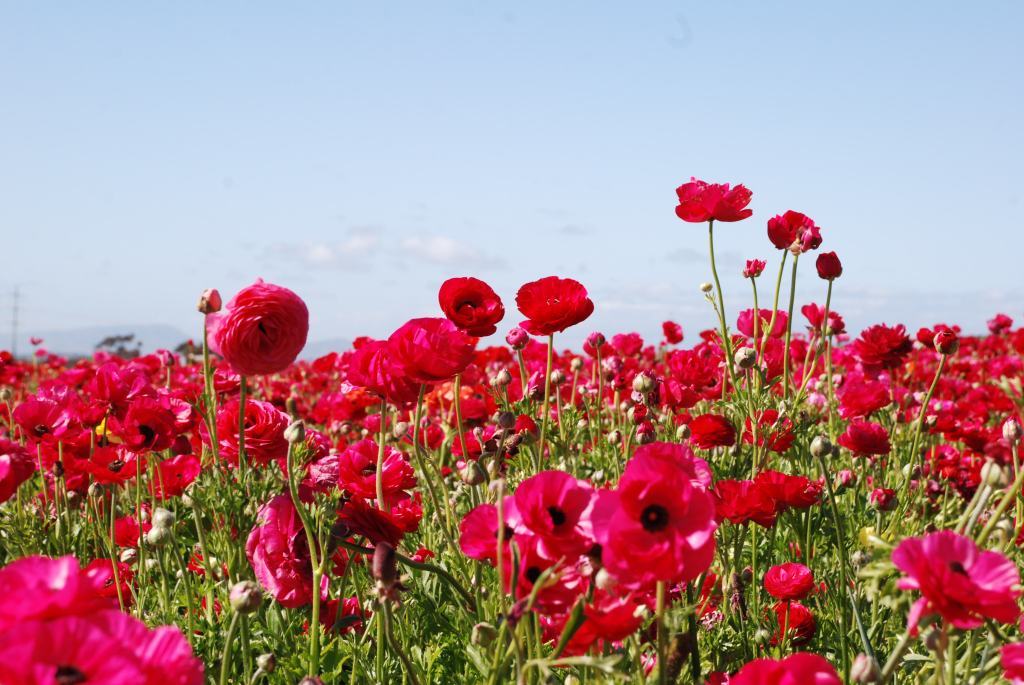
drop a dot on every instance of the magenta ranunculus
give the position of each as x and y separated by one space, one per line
279 555
261 330
432 350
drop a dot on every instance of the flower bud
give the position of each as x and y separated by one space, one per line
129 555
557 377
614 437
595 340
245 597
400 430
865 670
821 447
384 567
505 420
483 634
295 432
706 287
745 357
762 636
576 364
503 379
156 537
162 518
1012 431
209 301
517 338
991 474
266 662
946 342
472 473
936 640
6 394
643 383
682 432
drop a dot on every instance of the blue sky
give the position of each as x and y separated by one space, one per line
360 153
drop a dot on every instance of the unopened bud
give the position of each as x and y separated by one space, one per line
1012 431
162 518
209 301
604 580
503 378
706 287
991 474
400 430
505 420
557 377
245 597
472 473
821 447
614 437
483 634
295 432
745 358
865 670
266 662
576 364
384 567
129 555
682 432
156 536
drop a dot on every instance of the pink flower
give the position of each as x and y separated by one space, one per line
357 470
432 350
36 588
552 506
1011 658
279 555
261 330
959 582
745 323
700 201
794 231
802 668
789 581
478 538
264 432
659 522
16 467
865 437
754 268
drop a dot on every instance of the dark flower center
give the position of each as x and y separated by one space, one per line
506 534
654 518
147 433
41 429
69 675
532 574
957 567
115 466
557 516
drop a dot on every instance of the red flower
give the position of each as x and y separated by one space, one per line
745 323
700 202
478 530
147 427
659 522
772 432
789 581
553 304
432 350
551 505
797 620
741 501
357 470
472 305
798 492
375 367
262 329
958 581
708 431
1000 323
861 398
754 268
794 231
264 432
946 342
673 332
278 553
16 467
883 347
176 474
865 437
829 267
802 667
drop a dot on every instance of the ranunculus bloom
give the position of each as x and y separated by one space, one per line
959 582
472 305
553 304
278 553
357 470
175 474
754 268
828 265
794 231
375 366
700 202
798 492
772 432
788 581
16 467
39 588
147 427
709 431
478 531
1011 658
797 621
865 437
815 315
552 504
673 332
745 323
261 330
264 432
999 324
432 350
802 668
658 524
741 501
862 397
883 347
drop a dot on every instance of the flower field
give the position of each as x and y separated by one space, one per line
775 501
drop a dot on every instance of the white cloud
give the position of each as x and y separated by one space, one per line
444 250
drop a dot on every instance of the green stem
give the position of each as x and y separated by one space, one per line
225 660
789 328
546 406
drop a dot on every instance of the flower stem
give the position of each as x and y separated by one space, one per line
789 328
547 403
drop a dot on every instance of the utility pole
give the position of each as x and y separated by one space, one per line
14 323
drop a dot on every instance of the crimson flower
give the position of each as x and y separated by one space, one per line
959 582
551 504
261 330
864 437
553 304
828 265
709 431
472 305
432 350
16 467
794 231
700 202
789 581
673 332
754 268
883 347
802 667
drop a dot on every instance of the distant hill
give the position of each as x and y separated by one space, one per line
82 341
